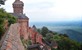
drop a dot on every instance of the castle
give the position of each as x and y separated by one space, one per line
26 32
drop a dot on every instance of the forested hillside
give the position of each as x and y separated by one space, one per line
63 40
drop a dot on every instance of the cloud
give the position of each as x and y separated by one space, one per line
43 5
50 10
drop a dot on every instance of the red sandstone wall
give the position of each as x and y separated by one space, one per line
12 39
23 28
35 36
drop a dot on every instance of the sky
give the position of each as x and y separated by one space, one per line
50 10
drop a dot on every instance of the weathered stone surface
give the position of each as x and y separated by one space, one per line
12 39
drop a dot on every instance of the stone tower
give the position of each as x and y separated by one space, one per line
18 6
22 19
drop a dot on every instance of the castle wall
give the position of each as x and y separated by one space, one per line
35 36
24 27
12 40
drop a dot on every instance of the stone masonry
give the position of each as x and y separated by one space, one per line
12 39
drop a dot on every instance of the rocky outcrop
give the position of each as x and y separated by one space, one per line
12 39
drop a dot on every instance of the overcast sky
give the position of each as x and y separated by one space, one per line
50 10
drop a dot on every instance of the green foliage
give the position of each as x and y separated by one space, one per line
65 35
29 42
39 30
25 43
2 21
3 17
11 20
44 31
63 40
2 30
49 37
53 49
56 38
67 44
